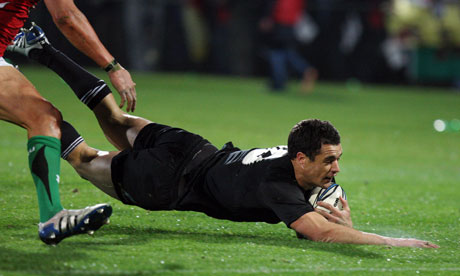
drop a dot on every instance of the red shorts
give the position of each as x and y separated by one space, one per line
13 14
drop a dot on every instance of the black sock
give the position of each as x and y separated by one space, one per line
87 87
70 139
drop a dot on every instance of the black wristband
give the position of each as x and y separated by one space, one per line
111 66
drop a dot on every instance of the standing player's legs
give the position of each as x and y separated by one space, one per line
303 68
22 105
278 69
120 128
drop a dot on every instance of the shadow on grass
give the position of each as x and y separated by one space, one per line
133 236
48 260
68 258
58 260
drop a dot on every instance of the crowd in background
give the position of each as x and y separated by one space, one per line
367 40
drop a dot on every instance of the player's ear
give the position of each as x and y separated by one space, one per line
301 159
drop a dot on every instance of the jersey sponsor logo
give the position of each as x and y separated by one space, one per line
2 5
258 155
248 157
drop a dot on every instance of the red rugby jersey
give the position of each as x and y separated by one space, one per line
13 14
288 12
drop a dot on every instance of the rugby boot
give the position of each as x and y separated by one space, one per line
27 40
68 223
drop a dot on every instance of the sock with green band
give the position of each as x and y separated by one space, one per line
44 164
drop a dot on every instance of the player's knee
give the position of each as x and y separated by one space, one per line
52 116
46 120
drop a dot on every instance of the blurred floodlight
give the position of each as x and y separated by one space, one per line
439 125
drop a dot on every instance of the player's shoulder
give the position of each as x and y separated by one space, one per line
279 165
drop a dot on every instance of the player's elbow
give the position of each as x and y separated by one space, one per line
315 227
66 18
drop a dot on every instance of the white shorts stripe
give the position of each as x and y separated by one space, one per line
4 63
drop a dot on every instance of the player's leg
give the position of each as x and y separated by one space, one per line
278 70
95 166
22 105
119 127
91 164
308 73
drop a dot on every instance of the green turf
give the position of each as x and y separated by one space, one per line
400 175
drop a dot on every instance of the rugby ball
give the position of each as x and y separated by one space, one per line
330 195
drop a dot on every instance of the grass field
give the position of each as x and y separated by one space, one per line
401 177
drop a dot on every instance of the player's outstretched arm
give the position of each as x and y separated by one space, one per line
315 227
77 29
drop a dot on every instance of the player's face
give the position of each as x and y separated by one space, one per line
319 173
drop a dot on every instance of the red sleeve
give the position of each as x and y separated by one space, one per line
12 18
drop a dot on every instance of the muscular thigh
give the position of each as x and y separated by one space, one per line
21 104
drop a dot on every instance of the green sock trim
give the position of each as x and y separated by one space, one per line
49 141
44 163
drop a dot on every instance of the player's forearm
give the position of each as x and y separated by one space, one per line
374 239
340 234
77 29
317 228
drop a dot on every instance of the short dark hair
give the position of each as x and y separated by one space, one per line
308 136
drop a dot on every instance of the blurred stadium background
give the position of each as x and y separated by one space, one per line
377 41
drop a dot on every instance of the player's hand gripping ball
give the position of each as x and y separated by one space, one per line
330 195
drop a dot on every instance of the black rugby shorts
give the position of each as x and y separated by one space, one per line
148 175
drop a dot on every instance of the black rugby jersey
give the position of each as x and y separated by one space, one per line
248 185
